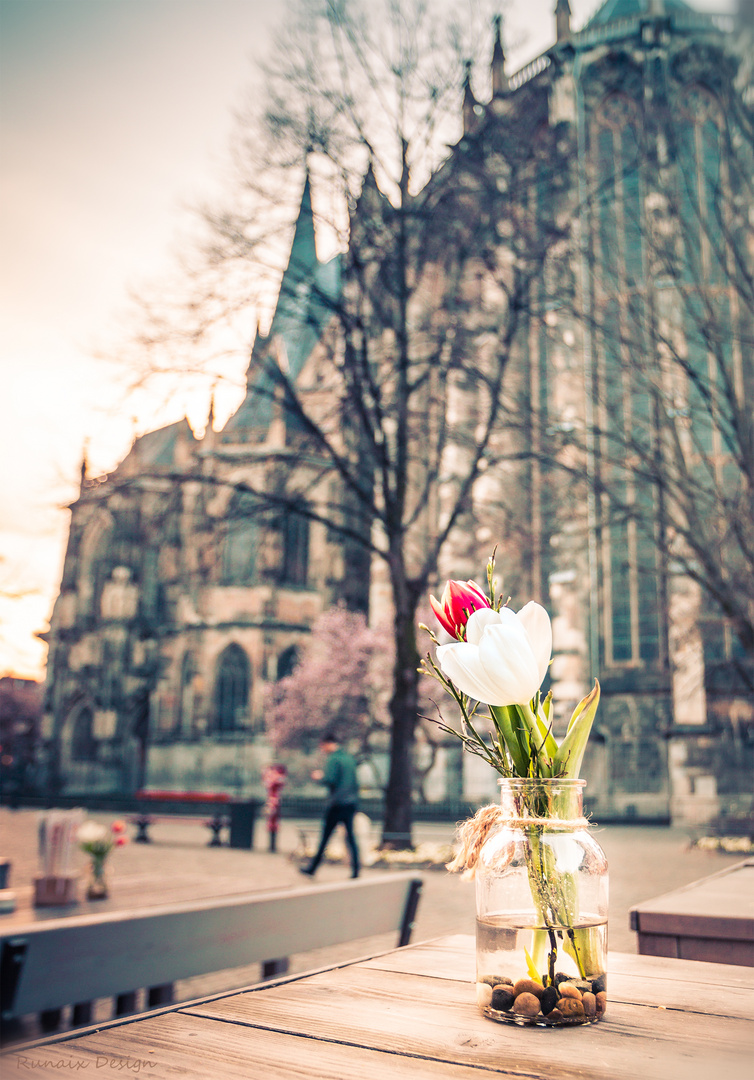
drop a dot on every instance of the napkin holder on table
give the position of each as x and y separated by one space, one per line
55 889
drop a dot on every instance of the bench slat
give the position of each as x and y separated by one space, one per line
81 958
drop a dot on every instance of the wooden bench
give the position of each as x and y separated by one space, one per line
50 964
238 815
711 919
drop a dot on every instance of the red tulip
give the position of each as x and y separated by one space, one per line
459 600
121 841
118 827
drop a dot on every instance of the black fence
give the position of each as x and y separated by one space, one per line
303 806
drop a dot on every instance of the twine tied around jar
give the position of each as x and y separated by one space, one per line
474 832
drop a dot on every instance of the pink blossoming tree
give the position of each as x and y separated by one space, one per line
341 683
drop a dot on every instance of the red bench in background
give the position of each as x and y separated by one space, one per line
238 815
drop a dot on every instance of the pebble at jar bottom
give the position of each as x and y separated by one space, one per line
506 990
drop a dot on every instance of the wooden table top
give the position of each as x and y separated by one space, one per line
135 892
411 1014
721 905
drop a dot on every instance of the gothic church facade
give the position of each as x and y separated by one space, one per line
180 601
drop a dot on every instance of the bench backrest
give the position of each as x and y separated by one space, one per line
54 963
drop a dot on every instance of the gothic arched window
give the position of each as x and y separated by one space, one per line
700 187
706 310
186 696
83 742
295 568
95 564
232 685
629 573
240 552
287 661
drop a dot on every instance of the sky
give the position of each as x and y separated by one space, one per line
115 118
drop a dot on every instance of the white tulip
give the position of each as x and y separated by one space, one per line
91 832
505 656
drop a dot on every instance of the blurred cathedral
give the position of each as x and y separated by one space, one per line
182 597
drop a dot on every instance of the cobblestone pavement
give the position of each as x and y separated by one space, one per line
644 862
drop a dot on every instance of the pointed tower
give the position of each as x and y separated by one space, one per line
369 187
208 441
369 202
470 103
84 466
562 20
369 217
258 350
303 258
499 80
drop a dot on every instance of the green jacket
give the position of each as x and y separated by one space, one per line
340 779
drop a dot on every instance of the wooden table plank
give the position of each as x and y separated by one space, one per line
133 893
405 1013
447 958
453 958
193 1048
408 1013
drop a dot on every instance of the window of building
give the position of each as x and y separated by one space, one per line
287 662
186 696
239 554
631 617
707 314
95 565
232 685
295 568
83 742
700 187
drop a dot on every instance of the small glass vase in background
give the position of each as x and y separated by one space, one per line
542 894
97 888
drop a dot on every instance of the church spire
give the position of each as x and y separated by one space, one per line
370 191
303 250
562 20
84 465
470 103
499 81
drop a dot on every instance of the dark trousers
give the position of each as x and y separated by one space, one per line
339 814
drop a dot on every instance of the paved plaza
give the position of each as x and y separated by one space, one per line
644 862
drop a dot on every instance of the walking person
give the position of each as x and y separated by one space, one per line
339 777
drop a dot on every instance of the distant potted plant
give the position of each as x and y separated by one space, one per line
541 878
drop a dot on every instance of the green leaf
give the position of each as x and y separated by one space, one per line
547 707
584 945
505 717
567 762
541 738
546 736
532 967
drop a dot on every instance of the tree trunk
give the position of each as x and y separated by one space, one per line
404 705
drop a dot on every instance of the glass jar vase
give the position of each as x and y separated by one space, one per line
541 895
97 888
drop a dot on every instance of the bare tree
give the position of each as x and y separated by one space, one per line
387 419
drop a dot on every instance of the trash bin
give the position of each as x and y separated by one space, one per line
242 818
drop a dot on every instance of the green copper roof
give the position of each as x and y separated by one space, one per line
159 447
308 292
613 10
